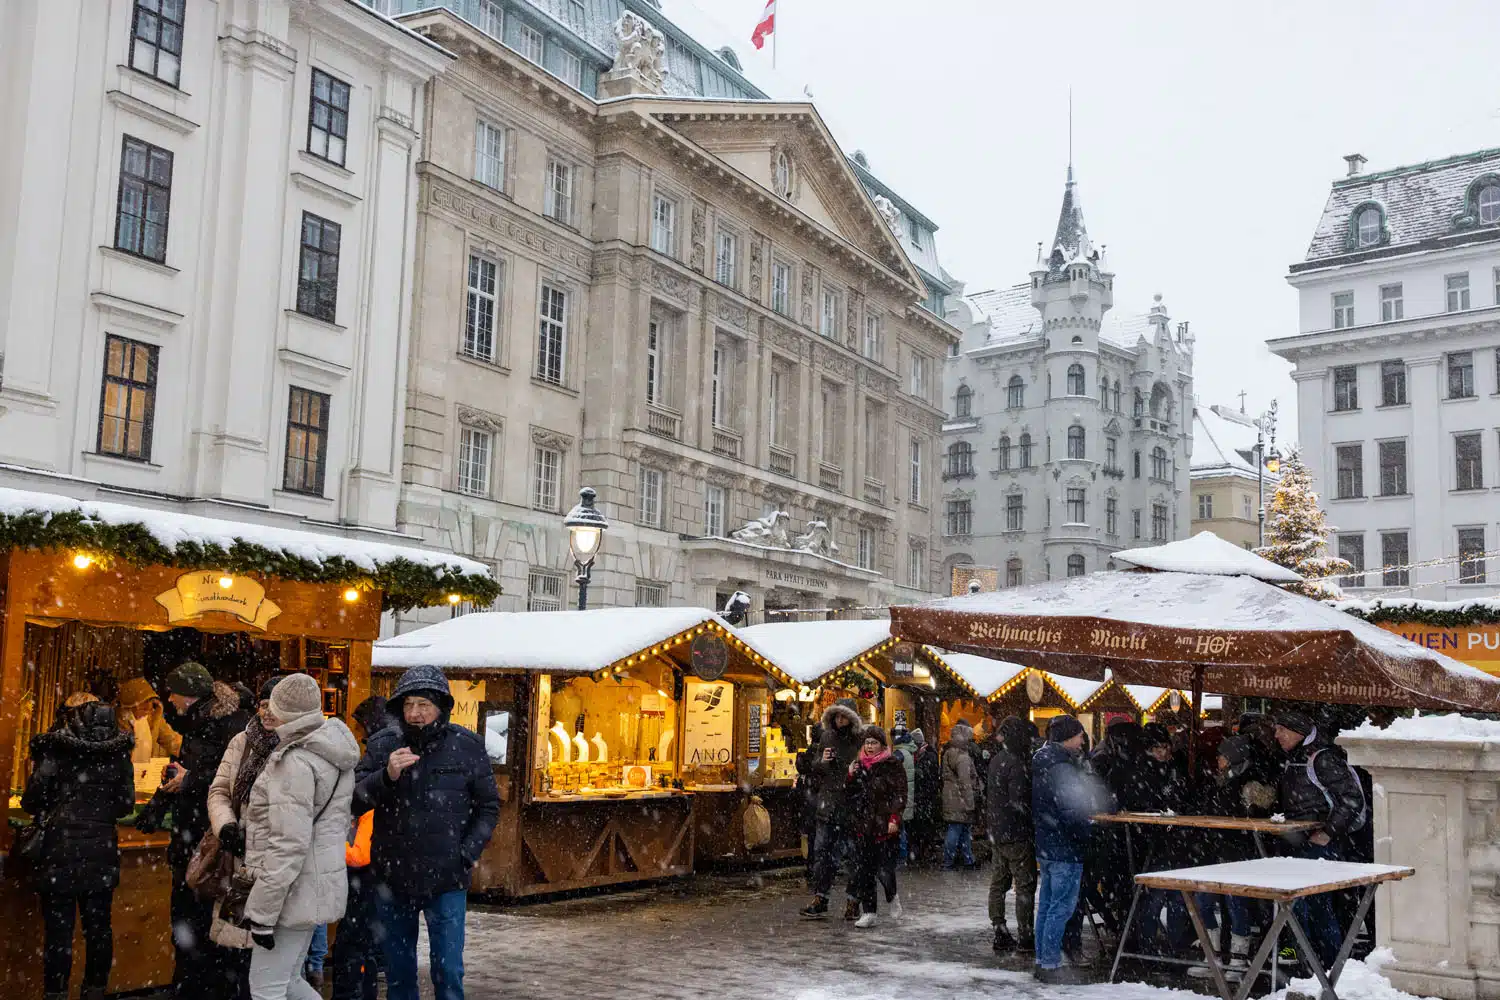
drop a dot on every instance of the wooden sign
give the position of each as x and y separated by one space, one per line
904 659
199 593
754 728
710 657
1036 687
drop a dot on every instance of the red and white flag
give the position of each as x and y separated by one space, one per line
766 26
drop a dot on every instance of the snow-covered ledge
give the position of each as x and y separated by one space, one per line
1437 808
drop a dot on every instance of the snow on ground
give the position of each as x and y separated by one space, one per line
1451 728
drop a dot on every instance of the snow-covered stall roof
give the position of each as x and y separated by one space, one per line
986 676
140 535
810 651
1209 554
563 642
1076 690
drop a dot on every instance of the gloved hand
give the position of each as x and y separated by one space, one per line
232 839
265 939
146 822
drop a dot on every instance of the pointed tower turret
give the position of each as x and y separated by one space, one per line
1069 286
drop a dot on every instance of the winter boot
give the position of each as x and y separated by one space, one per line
851 910
1003 941
817 910
897 910
1239 951
1203 971
1026 944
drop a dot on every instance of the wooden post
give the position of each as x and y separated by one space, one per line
1195 726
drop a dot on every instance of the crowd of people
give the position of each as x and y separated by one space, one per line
1034 795
280 824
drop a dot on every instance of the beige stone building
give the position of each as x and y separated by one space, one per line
691 305
1226 492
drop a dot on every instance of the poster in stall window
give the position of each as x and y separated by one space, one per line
753 738
466 698
708 739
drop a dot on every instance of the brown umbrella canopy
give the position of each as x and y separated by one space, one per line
1241 636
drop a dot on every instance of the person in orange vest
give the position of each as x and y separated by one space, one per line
355 964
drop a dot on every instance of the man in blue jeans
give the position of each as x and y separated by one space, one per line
1062 800
433 792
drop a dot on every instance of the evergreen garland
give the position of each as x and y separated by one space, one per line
1297 534
404 584
1433 614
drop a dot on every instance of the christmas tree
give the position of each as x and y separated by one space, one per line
1297 534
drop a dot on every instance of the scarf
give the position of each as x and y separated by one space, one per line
866 761
259 742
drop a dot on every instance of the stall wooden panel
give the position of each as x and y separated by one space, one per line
576 845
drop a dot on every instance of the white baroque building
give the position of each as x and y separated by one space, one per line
207 216
1070 426
1397 360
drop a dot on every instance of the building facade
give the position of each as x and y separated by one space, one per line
1069 428
661 285
208 231
1228 494
1397 361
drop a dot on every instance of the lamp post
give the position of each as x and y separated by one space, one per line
1264 425
586 527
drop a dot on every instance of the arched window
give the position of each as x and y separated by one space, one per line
1140 404
963 402
1025 451
783 175
1075 565
1135 460
960 459
1161 402
1075 442
1004 450
1013 573
1075 380
1117 396
1367 227
1015 393
1488 202
1159 466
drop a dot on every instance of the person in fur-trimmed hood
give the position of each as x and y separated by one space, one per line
877 798
842 736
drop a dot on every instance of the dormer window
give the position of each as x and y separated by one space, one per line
1367 227
1488 202
781 175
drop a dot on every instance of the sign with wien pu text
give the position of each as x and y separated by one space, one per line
1476 645
198 593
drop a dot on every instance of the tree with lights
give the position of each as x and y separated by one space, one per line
1297 534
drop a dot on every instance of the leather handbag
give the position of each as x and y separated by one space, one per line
210 868
28 842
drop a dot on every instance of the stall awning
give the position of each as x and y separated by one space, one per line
1233 634
986 676
1208 554
810 651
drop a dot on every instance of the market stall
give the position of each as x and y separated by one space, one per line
106 598
627 742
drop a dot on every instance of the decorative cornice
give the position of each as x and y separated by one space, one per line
323 189
444 194
152 316
470 417
551 439
145 109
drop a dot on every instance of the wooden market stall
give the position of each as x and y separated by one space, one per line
627 742
94 596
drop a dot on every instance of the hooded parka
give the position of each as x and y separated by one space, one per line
830 794
960 779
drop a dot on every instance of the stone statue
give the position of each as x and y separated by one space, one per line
641 50
770 531
889 212
817 540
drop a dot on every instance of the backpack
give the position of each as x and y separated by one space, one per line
1363 815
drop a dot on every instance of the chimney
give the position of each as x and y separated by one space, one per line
1356 163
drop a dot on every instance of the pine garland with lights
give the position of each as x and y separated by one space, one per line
1297 534
1434 614
404 584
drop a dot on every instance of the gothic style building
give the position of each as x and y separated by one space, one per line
1069 426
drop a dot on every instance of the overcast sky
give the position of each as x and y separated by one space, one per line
1205 136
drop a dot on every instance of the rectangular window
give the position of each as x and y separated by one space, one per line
1468 462
1460 374
490 17
663 225
726 259
156 39
717 388
1391 309
531 43
916 567
829 322
489 155
481 308
144 199
1205 506
654 363
1471 561
715 501
318 268
1111 516
1112 454
1343 310
569 68
1394 559
474 462
306 441
1393 383
1392 468
328 118
872 338
544 591
1135 523
918 385
1497 286
650 502
552 335
1014 512
872 442
915 494
1076 504
781 288
960 517
1352 550
650 595
1457 287
1158 522
558 202
778 396
128 404
866 552
1247 509
546 475
1013 573
1349 461
1346 388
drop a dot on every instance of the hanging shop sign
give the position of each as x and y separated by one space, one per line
466 698
708 736
904 659
199 593
1174 701
1036 687
710 657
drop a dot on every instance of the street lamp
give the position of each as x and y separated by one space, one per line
1265 424
586 527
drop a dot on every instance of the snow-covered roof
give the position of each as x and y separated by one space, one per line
1077 690
1209 554
1391 609
809 651
984 675
1433 728
1010 312
1145 695
1224 442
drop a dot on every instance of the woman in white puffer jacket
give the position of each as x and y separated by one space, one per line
295 825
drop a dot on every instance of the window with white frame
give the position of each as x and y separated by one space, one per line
1246 507
715 504
1158 522
1367 227
919 376
1015 393
874 422
831 398
781 179
531 43
569 68
481 308
1349 471
655 383
777 392
649 504
1346 388
1111 516
1488 204
1392 305
544 590
664 225
916 483
1205 506
1394 558
960 517
1471 560
829 324
1497 286
489 155
474 447
916 566
1135 523
1343 310
716 401
781 288
1393 383
552 335
1077 504
1457 288
1460 374
558 201
546 475
726 258
1392 455
1468 460
650 595
866 548
872 337
1351 549
1015 512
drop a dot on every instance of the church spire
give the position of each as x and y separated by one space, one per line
1072 240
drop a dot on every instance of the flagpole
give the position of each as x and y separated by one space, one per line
773 42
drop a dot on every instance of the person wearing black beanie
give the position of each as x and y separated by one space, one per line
1062 802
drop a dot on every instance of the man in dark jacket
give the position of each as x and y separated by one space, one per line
1008 819
842 737
433 790
1317 784
207 714
926 814
1061 803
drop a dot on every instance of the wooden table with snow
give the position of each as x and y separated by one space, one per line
1281 881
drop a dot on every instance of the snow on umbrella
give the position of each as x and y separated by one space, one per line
1207 553
1238 635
